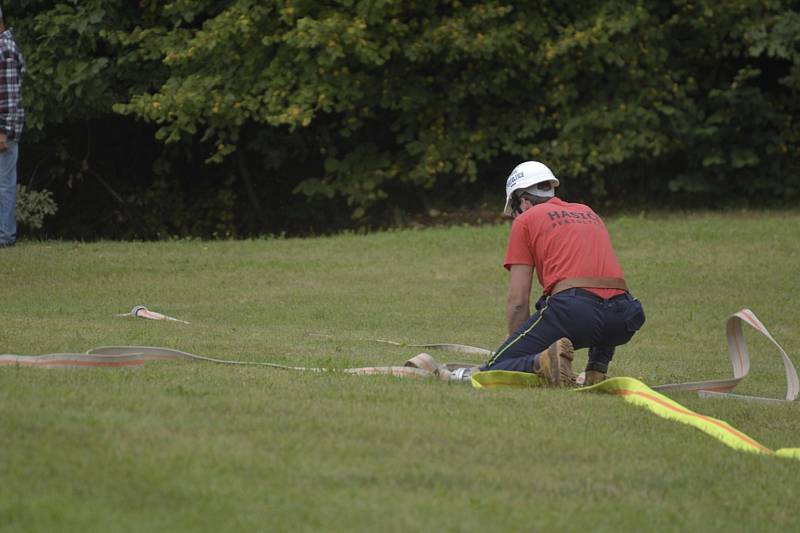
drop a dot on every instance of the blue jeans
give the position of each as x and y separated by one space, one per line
8 194
584 318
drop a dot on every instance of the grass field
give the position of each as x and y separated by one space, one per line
182 446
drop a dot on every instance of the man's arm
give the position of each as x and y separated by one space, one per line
518 307
11 67
6 67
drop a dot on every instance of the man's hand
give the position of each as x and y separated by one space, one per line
3 141
518 307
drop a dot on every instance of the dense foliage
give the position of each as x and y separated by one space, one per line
241 117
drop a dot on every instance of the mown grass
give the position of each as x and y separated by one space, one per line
179 446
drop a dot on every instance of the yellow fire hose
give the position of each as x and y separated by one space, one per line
637 393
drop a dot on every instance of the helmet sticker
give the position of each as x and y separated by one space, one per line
514 178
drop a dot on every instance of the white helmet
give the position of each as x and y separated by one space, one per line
524 176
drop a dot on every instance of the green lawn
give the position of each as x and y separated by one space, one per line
187 446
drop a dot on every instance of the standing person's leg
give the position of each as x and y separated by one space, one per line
8 194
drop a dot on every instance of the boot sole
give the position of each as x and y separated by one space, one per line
557 368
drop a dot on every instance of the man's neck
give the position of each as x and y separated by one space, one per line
542 200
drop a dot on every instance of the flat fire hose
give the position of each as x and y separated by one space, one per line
121 356
637 393
423 365
737 350
740 359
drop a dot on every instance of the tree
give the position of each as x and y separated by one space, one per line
250 111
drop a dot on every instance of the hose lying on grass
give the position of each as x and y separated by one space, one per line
424 365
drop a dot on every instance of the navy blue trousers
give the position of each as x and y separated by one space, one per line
579 315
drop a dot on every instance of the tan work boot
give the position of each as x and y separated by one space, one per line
555 364
593 377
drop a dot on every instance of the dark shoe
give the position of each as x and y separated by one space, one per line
555 364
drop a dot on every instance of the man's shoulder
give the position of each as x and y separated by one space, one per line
7 41
7 45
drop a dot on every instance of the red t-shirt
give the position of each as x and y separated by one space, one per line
561 240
